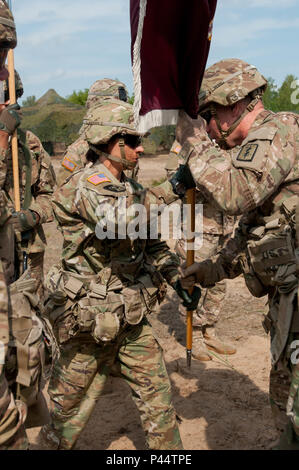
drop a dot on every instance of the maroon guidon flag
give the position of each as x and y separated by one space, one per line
170 47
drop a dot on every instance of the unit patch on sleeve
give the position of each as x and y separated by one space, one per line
98 178
247 153
68 164
115 188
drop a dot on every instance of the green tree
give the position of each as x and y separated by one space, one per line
29 101
288 94
285 98
131 99
78 97
270 96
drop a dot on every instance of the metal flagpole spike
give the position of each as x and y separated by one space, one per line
189 355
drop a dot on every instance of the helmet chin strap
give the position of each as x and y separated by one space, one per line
125 163
222 142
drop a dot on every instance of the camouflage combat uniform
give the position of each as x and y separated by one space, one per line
100 296
260 179
12 414
217 227
37 183
26 352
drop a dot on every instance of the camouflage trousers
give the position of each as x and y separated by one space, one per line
284 388
209 306
36 268
12 418
79 377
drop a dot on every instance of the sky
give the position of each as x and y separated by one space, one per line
69 44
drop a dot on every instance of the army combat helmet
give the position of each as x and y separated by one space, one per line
226 83
103 122
8 35
103 90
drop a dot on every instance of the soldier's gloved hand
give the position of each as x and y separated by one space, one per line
10 118
182 180
24 220
190 301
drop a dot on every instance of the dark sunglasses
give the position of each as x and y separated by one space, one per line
132 141
206 115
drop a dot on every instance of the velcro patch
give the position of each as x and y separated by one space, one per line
247 153
98 178
68 164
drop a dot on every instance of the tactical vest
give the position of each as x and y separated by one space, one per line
270 260
126 287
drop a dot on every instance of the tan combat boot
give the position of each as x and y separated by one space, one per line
199 349
213 343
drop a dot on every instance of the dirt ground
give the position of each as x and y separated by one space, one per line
221 404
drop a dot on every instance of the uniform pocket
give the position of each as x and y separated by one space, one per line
101 317
134 304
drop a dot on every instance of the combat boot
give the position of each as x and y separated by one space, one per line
199 349
213 343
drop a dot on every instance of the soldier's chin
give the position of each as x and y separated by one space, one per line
3 74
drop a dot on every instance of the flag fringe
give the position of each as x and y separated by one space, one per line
156 118
137 61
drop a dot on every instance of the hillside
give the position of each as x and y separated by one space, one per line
53 119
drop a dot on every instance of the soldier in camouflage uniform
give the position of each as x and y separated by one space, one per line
217 227
37 183
23 260
75 155
105 287
12 413
254 173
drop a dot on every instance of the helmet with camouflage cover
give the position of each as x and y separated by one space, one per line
103 122
8 35
19 87
103 90
228 82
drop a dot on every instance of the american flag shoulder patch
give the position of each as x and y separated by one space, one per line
177 149
98 178
68 164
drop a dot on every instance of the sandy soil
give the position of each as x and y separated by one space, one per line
221 404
